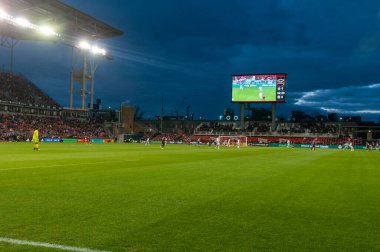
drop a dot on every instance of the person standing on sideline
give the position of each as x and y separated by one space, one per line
35 140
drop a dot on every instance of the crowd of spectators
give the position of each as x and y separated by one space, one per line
313 128
16 88
17 127
261 128
264 127
212 127
333 140
183 138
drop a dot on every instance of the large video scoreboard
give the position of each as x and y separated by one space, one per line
259 87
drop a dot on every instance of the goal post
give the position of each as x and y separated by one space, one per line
234 141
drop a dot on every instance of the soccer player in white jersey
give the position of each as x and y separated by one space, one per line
217 142
351 146
345 146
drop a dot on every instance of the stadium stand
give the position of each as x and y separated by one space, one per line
16 127
298 133
259 128
24 107
16 88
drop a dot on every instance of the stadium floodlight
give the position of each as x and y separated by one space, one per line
92 48
97 50
21 22
6 16
3 14
46 30
84 45
24 23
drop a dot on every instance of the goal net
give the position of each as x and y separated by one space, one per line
233 141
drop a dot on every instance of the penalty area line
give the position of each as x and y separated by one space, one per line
48 245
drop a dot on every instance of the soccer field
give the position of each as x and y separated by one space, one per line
131 197
252 94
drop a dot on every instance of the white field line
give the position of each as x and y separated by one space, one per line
48 245
58 165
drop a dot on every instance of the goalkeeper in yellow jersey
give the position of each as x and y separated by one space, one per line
35 140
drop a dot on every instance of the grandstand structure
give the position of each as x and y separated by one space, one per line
25 107
56 21
299 133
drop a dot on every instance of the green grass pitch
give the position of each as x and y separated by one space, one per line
131 197
252 94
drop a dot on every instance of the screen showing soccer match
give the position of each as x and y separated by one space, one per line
259 88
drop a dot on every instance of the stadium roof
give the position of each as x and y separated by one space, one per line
71 23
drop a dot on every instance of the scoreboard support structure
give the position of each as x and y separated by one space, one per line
273 126
242 115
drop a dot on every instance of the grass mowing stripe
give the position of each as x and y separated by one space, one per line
190 198
48 245
60 165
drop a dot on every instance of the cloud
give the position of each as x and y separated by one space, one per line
361 100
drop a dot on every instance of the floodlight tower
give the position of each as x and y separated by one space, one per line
9 43
56 21
82 71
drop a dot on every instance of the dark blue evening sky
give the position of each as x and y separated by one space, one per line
186 51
